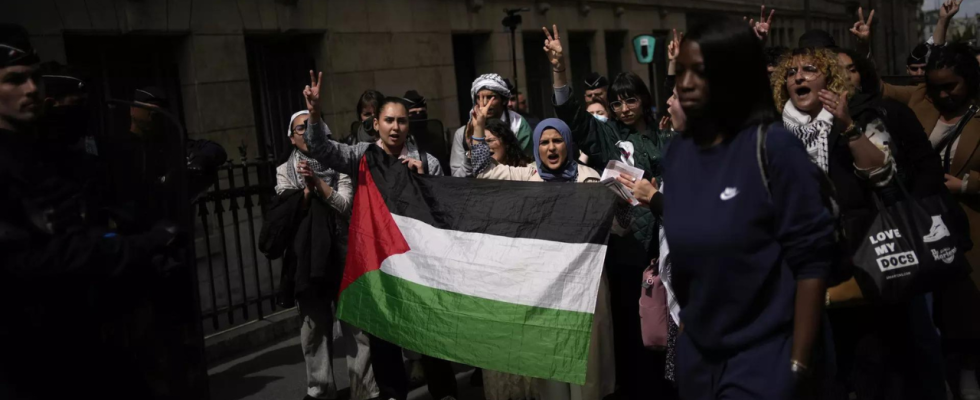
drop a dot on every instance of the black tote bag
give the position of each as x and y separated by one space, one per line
912 247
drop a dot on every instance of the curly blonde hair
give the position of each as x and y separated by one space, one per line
824 59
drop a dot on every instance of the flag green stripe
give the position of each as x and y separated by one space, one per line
499 336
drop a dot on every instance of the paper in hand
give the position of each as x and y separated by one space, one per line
613 170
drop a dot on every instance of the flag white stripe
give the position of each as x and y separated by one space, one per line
530 272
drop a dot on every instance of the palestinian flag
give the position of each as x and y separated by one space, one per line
494 274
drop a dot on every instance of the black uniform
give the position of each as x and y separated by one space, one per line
52 264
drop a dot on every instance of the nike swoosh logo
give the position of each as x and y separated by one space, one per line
729 194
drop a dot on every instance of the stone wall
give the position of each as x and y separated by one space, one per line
393 45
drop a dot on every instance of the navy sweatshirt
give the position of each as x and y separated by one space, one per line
736 252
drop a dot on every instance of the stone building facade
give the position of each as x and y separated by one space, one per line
218 47
235 69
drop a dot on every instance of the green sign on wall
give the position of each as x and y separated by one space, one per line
643 45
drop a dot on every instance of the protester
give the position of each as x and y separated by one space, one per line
367 109
649 192
313 264
596 88
53 259
598 110
736 344
392 125
942 105
503 145
518 103
857 151
632 138
553 163
492 89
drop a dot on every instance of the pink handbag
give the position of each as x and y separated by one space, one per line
653 310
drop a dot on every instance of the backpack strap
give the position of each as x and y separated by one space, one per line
762 157
425 162
948 141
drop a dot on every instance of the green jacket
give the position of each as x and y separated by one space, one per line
598 141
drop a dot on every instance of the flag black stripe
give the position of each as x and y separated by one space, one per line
561 212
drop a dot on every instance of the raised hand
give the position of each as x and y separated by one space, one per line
762 27
836 105
552 47
949 9
312 94
480 113
862 28
674 47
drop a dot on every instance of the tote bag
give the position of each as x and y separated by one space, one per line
909 249
653 309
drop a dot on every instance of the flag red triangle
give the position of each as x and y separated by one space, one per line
374 236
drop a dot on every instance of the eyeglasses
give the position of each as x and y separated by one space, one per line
299 129
808 72
631 102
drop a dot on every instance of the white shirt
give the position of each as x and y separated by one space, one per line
942 130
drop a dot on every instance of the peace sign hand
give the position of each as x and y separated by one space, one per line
674 48
762 27
312 93
949 9
862 29
552 47
480 113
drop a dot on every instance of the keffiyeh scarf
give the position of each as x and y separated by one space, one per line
296 180
814 132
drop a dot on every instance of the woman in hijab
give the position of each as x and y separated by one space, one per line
630 135
551 155
322 199
553 163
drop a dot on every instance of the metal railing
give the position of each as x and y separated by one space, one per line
238 283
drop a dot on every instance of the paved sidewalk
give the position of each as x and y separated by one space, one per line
279 373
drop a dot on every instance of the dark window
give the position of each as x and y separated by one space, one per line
538 71
278 66
468 50
615 51
580 58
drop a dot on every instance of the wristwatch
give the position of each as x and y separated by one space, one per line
853 132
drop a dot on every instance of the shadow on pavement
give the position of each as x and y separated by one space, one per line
235 383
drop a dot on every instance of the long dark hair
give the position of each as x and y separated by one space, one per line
513 155
628 84
870 82
958 57
735 69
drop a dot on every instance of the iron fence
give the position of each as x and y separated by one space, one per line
238 284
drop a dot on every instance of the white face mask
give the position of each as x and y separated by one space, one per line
601 118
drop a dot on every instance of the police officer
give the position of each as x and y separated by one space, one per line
51 258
